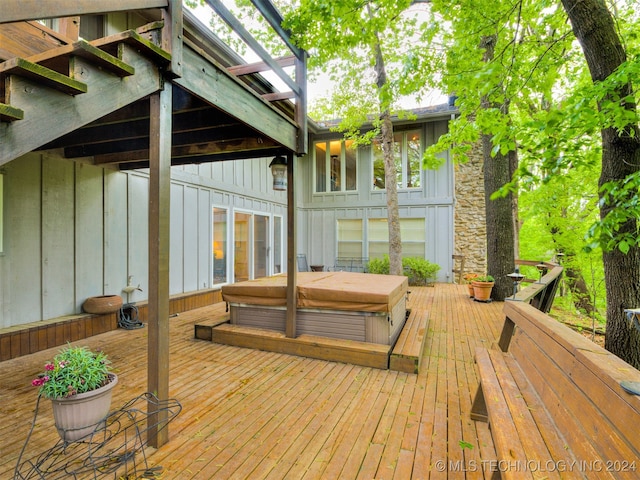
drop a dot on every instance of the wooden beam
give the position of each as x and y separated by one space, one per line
292 250
159 232
300 113
20 10
257 67
241 148
58 59
172 35
43 76
274 18
211 82
274 97
244 34
70 27
44 109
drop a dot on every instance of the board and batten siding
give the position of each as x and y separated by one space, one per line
434 201
73 230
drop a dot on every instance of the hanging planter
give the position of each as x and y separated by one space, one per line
482 287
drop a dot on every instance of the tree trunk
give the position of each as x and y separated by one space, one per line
594 27
579 291
391 182
499 212
499 218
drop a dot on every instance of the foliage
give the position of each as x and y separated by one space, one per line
342 36
470 277
73 370
379 265
419 270
484 278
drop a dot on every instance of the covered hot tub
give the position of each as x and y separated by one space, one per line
355 306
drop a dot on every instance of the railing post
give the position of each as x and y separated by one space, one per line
172 35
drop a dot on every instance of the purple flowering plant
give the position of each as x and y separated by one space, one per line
73 370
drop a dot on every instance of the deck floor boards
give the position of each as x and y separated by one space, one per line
249 414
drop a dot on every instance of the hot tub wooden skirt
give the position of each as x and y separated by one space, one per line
373 327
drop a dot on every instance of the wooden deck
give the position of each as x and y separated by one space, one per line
254 414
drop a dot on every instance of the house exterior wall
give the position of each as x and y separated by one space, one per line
73 230
434 201
470 218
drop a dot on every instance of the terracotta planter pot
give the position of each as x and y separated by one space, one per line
470 287
80 415
102 304
482 291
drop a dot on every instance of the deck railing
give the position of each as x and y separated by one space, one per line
541 292
173 37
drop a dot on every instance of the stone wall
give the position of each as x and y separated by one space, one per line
469 218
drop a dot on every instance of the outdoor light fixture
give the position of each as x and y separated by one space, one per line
517 277
278 168
542 269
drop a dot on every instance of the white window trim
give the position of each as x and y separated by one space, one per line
403 160
327 170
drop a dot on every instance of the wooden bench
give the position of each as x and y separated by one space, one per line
554 402
351 264
407 352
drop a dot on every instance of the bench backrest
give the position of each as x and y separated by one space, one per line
579 384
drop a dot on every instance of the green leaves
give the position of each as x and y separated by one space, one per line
618 227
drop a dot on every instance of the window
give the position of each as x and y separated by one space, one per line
277 244
335 166
254 238
407 146
412 231
260 245
241 246
1 213
220 245
350 243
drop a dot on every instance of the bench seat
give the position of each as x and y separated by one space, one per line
554 403
525 437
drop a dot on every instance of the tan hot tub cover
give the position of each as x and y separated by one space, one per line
363 292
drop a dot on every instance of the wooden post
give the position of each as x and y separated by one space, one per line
292 264
172 35
69 27
159 229
301 104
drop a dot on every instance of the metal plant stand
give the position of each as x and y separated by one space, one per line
115 449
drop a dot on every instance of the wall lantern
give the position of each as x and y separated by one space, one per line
278 168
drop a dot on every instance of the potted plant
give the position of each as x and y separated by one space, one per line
482 286
79 384
468 278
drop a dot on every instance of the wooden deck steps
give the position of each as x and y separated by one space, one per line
405 356
407 352
206 319
311 346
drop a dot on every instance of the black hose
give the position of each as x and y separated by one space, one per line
128 317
